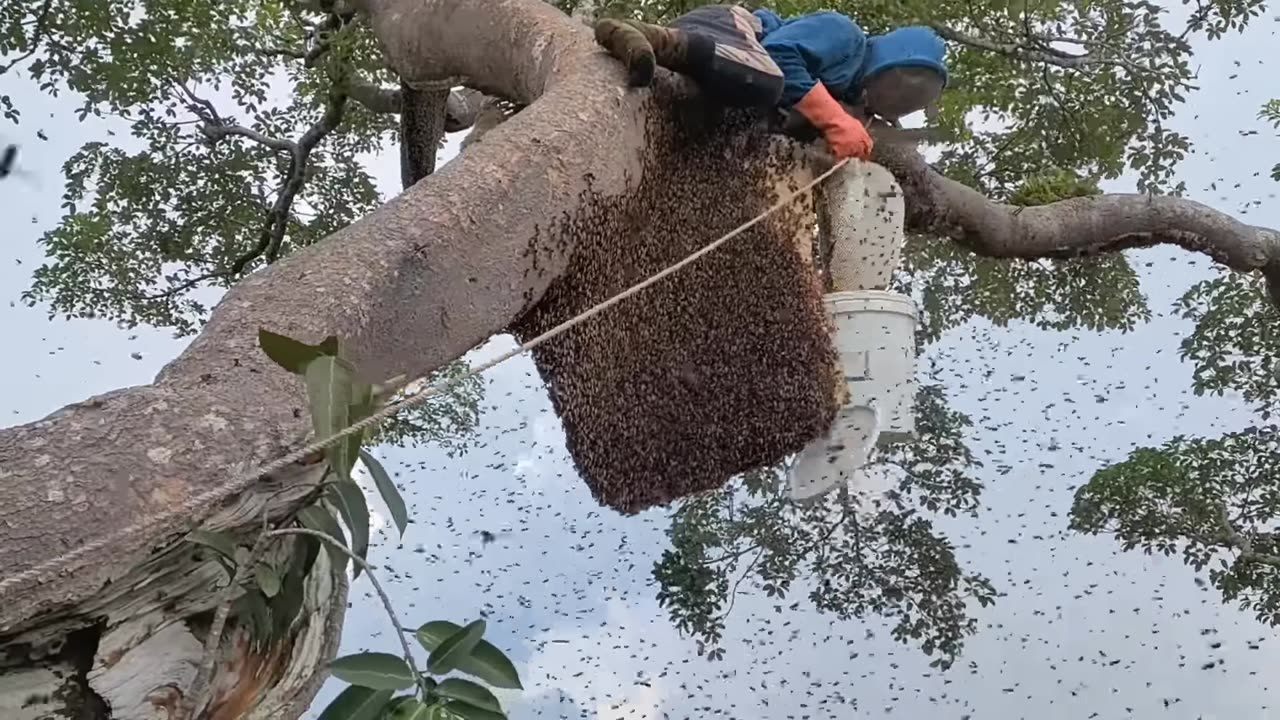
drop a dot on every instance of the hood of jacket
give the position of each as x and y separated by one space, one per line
913 46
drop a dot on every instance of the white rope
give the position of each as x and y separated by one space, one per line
243 481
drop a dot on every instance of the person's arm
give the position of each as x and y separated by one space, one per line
823 47
813 52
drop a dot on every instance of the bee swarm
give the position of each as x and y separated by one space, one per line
725 366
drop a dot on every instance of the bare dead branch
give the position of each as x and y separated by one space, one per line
1077 226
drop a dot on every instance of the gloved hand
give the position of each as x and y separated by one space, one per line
846 136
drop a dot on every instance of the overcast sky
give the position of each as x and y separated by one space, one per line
567 586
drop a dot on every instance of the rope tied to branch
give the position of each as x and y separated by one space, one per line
243 481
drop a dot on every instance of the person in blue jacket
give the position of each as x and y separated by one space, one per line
806 64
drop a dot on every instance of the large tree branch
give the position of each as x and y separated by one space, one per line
460 110
426 277
1077 226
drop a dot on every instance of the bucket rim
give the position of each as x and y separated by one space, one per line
887 299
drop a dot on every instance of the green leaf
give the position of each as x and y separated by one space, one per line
329 388
223 543
307 552
268 580
486 661
455 648
468 692
292 355
356 703
390 493
378 670
316 517
362 406
392 708
331 346
286 605
413 709
471 712
349 499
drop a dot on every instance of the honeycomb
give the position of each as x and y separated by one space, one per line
722 367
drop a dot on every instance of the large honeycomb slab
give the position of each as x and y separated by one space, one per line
723 367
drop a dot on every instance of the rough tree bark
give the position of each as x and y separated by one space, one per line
428 276
417 283
423 119
940 206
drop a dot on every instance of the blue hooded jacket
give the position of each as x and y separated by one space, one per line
829 47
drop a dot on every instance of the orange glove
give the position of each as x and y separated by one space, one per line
846 136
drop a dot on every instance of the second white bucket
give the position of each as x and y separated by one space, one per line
875 338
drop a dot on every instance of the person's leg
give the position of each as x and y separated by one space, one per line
642 46
715 45
727 60
630 44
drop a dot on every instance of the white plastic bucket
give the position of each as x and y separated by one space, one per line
875 339
837 458
867 213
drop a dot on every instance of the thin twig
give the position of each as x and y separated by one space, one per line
271 236
733 594
1041 53
218 132
320 35
202 108
373 580
35 38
